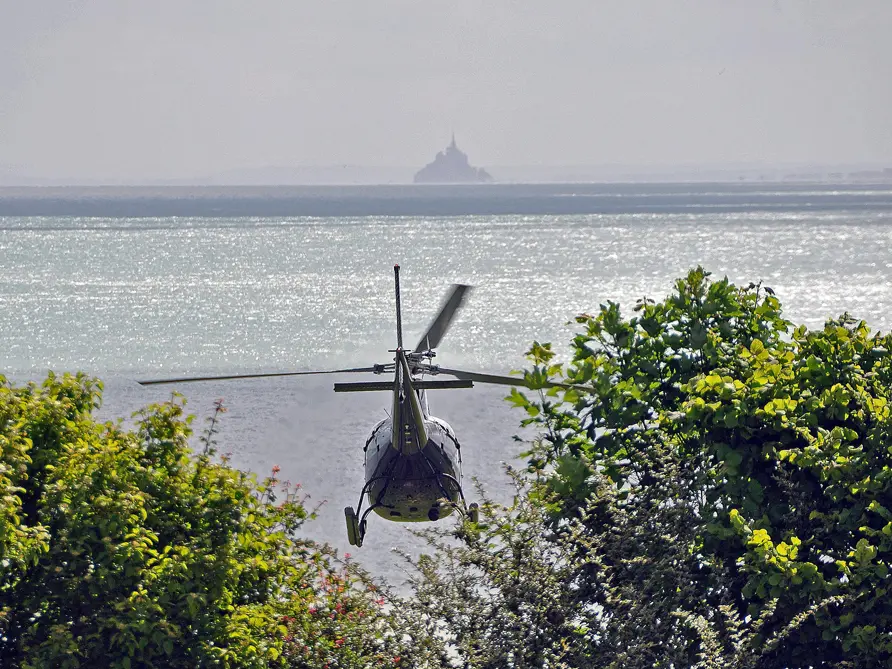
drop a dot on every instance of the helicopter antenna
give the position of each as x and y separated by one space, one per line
399 316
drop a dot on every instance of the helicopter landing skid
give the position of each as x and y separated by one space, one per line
356 526
471 511
356 523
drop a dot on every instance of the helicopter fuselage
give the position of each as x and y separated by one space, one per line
408 484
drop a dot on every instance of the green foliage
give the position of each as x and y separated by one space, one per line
120 548
711 487
351 622
503 596
731 475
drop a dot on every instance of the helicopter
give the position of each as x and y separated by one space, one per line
412 458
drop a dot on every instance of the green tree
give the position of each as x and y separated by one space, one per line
715 491
121 548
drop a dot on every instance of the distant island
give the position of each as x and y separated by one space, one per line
451 166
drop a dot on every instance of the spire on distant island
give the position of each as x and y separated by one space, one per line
451 166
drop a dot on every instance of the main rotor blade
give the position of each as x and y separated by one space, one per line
191 379
431 339
484 378
497 379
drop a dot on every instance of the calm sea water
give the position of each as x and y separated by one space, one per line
144 295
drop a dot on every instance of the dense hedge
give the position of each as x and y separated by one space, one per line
711 487
715 491
121 548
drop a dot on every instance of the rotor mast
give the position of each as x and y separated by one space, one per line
399 315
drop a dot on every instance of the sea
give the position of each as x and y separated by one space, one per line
129 284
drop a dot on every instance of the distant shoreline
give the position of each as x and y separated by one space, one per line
442 199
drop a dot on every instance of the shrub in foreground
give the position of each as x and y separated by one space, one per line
717 493
121 548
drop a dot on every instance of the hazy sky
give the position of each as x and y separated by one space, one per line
172 88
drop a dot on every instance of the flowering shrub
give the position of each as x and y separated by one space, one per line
347 621
122 548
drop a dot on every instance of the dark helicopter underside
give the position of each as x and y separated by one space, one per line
410 487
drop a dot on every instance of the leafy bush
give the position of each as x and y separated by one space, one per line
709 488
505 597
714 491
121 548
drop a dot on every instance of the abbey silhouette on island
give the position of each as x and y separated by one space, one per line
451 166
